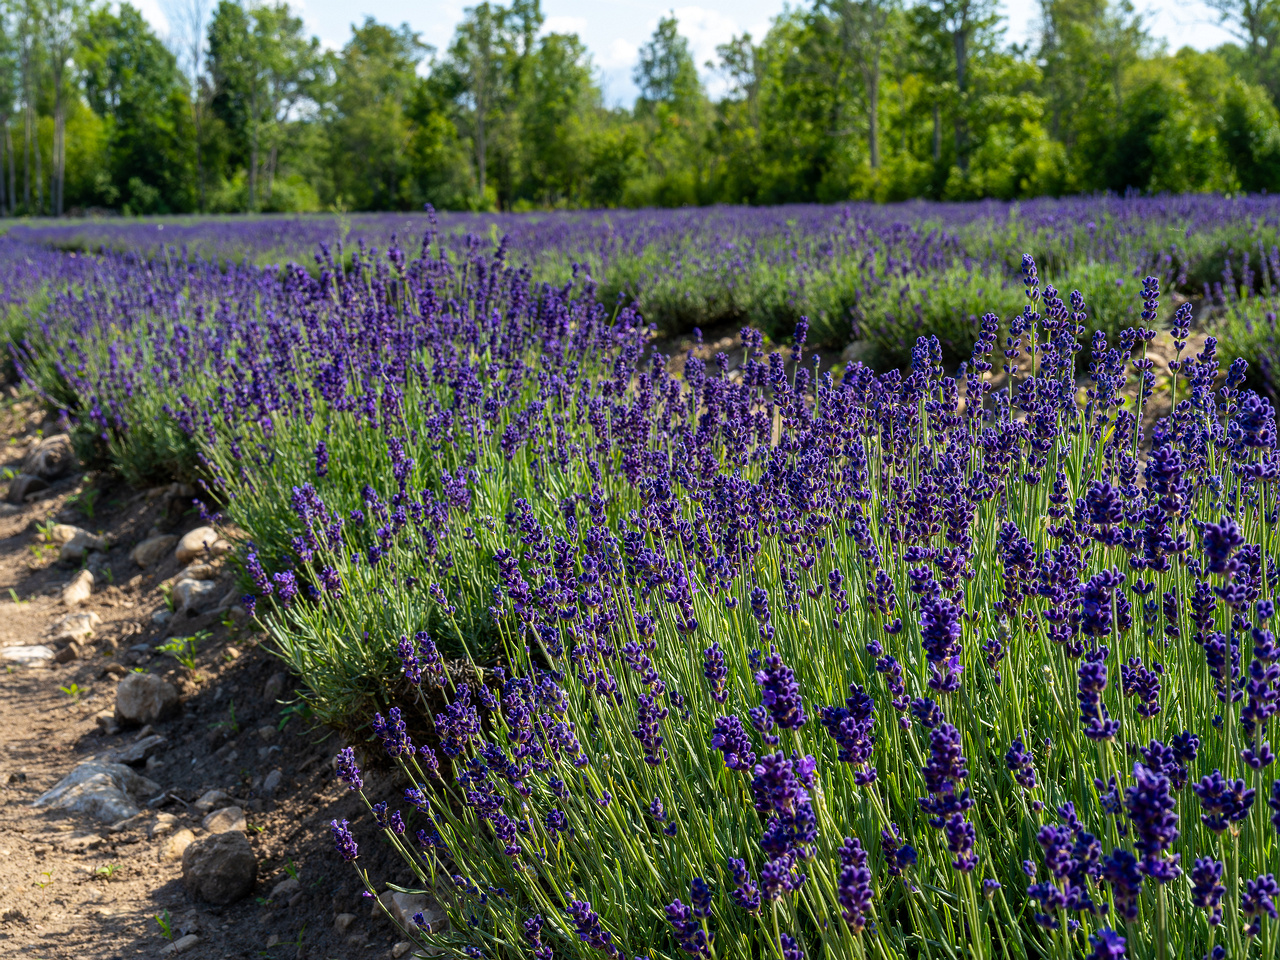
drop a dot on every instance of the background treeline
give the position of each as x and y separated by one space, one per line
240 110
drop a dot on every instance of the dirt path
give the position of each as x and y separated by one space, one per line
74 886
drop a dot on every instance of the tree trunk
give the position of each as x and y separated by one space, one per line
59 145
40 172
5 199
480 148
253 167
873 113
13 173
937 131
960 39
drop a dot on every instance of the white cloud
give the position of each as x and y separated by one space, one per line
619 55
564 25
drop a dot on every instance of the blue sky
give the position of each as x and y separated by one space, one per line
614 29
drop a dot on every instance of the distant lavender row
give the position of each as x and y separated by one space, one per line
885 274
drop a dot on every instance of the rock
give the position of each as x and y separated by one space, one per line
220 869
266 733
176 846
194 596
116 670
180 491
23 485
401 948
343 921
74 626
163 825
199 571
79 589
64 533
104 791
140 751
181 945
144 698
203 543
77 548
212 800
225 820
9 509
404 906
271 783
153 550
28 655
106 721
161 617
272 689
52 458
69 653
285 889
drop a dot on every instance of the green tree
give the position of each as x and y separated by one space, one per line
370 129
130 77
264 69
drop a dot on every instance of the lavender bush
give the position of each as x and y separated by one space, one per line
755 660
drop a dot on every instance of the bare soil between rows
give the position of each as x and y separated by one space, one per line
75 887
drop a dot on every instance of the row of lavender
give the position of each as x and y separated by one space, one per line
765 662
884 274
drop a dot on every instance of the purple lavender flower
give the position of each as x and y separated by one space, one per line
730 738
1107 945
1225 801
392 733
744 893
348 770
343 841
1207 889
1092 674
790 948
586 923
1151 809
716 673
1259 898
853 887
780 693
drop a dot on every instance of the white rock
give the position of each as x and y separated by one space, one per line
161 617
200 543
51 458
343 921
285 888
75 549
64 533
153 550
212 800
28 655
401 948
176 846
74 626
79 589
144 698
271 783
199 571
195 596
104 791
225 820
163 825
181 945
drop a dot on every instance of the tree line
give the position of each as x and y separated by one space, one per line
240 110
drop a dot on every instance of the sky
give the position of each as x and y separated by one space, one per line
614 30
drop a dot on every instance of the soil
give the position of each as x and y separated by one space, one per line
75 887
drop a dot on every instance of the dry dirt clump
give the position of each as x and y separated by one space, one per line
194 753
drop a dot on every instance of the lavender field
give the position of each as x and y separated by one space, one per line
958 652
